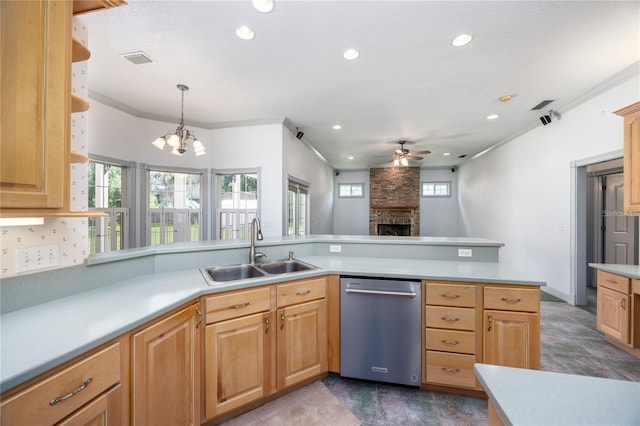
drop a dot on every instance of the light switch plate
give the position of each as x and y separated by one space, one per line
335 248
29 259
465 252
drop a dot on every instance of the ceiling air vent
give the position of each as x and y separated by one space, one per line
138 58
541 105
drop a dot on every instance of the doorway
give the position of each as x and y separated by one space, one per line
612 236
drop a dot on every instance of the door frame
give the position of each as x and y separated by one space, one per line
578 217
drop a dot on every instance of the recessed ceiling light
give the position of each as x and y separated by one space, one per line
505 98
446 153
245 33
264 6
462 40
351 54
337 127
351 157
492 116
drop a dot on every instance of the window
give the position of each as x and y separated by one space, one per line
106 194
297 197
351 190
174 207
436 189
237 205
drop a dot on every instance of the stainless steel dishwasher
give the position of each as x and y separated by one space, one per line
380 330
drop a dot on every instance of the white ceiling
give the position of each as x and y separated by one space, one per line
408 84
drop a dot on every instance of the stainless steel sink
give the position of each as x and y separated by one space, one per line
220 274
284 266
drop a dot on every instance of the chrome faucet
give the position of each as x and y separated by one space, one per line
256 234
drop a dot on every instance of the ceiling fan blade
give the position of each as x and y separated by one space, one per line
426 151
415 157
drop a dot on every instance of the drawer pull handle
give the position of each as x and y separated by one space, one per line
240 306
623 304
610 281
507 300
266 324
450 342
451 370
490 322
199 317
450 296
303 292
282 320
84 385
449 319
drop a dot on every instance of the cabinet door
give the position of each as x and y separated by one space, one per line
35 46
302 342
613 316
631 116
236 362
512 339
102 411
166 367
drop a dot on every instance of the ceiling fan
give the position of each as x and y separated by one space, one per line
403 155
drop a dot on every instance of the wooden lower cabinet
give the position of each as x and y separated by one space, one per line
165 383
512 339
614 314
302 342
85 391
102 411
237 362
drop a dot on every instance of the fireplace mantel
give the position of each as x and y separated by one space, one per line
395 208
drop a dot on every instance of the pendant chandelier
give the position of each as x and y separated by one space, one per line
180 139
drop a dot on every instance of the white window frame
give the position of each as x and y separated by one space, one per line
435 184
351 186
298 187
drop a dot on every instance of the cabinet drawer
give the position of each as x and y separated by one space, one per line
301 291
237 304
88 378
512 299
451 318
450 340
614 282
451 295
451 369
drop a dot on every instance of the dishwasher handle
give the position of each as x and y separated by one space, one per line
386 293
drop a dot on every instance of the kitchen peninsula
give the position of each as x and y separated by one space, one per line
135 288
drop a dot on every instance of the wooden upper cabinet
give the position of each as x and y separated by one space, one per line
35 46
631 116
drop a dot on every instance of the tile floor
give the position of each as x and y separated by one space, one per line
570 343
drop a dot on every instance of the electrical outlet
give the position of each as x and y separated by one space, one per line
465 252
29 259
335 248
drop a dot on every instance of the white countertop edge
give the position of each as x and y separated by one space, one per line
119 255
533 397
631 271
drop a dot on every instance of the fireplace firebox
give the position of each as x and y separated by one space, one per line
394 229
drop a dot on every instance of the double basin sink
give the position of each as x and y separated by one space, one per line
221 274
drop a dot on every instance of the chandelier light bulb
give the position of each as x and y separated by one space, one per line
173 141
159 143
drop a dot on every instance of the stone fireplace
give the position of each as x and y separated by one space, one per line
394 201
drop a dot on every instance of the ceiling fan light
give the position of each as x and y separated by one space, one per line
404 161
173 141
159 143
396 162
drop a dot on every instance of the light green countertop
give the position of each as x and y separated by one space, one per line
40 337
532 397
631 271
